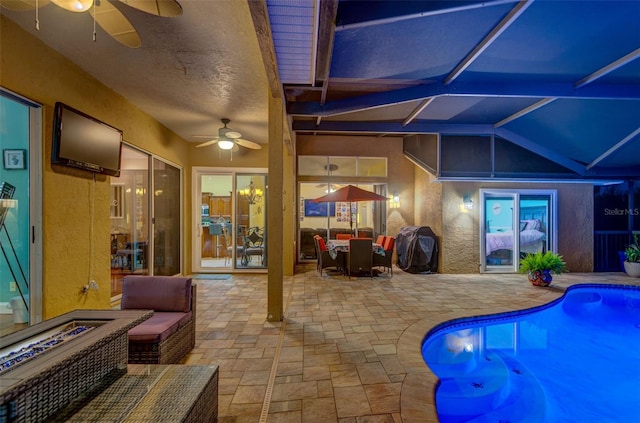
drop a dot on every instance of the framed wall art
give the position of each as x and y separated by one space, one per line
15 159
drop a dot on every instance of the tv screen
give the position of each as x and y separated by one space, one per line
312 209
85 142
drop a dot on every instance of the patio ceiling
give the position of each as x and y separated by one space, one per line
559 78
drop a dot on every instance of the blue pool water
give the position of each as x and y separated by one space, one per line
576 359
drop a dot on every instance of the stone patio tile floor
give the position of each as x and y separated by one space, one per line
347 351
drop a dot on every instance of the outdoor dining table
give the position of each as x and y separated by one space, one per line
335 246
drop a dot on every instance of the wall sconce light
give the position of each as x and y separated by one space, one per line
253 194
467 202
394 202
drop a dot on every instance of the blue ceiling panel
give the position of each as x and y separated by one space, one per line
566 40
620 157
353 12
560 78
419 48
627 74
579 129
467 109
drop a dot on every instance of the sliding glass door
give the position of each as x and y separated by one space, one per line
363 219
230 219
514 223
20 212
145 218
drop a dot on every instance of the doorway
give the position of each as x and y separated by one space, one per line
515 223
230 220
145 228
20 212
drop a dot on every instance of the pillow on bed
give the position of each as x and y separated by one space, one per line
533 224
523 224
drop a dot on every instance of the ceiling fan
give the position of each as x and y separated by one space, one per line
228 139
110 19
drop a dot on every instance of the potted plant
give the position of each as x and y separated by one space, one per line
632 258
539 267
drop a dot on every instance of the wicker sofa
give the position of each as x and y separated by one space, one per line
169 334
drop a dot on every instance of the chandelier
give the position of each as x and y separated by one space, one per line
253 194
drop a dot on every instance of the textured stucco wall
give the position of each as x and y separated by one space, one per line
460 241
428 194
460 251
75 246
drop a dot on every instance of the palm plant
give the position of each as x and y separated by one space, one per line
539 267
632 252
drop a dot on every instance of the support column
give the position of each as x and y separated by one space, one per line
275 218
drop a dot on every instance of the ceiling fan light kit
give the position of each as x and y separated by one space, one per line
225 144
74 5
107 16
228 139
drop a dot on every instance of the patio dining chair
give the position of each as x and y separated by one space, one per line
324 258
360 259
385 261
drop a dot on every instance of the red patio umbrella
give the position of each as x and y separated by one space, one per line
350 194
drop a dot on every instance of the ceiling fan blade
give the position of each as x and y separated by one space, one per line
165 8
115 24
22 5
207 143
77 6
248 144
232 134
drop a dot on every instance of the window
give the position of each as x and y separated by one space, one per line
342 166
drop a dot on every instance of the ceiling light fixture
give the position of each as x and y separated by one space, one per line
225 144
253 194
74 5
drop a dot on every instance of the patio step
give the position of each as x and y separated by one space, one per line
526 402
463 397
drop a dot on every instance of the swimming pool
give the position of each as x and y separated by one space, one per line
576 359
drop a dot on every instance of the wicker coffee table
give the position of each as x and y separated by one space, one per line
150 393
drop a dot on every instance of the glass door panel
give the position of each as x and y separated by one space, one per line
367 218
216 221
251 230
535 223
500 240
167 219
313 217
15 214
130 218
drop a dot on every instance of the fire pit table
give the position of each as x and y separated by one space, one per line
48 365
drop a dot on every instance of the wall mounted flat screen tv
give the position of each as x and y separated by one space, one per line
82 141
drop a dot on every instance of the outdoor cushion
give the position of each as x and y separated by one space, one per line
159 327
321 244
158 293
